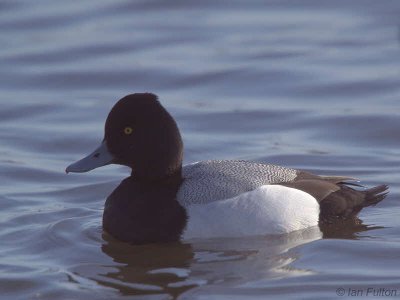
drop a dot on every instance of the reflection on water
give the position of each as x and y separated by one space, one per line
147 269
175 268
346 229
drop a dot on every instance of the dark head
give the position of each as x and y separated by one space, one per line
141 134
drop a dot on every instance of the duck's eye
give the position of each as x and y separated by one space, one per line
128 130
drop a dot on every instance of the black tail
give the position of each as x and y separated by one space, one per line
375 195
347 202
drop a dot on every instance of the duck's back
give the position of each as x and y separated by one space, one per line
213 180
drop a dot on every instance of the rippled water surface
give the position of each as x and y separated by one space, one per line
310 84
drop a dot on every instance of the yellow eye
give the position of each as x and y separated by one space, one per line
128 130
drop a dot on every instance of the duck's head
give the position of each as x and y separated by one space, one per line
141 134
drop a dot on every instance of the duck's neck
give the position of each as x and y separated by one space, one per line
157 175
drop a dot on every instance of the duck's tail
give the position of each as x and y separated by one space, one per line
374 195
348 202
339 197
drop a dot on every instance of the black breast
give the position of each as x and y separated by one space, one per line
144 212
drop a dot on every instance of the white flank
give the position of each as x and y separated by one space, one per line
269 209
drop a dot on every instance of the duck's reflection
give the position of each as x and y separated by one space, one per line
345 229
148 269
174 268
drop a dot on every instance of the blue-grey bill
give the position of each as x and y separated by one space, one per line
98 158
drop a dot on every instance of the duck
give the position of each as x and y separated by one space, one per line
164 201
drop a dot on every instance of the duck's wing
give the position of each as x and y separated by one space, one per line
214 180
335 195
318 186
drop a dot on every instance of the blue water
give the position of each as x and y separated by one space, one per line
307 84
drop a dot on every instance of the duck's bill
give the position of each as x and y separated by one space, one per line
98 158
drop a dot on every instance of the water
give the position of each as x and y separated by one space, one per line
309 84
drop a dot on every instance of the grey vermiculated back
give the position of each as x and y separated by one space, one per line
213 180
